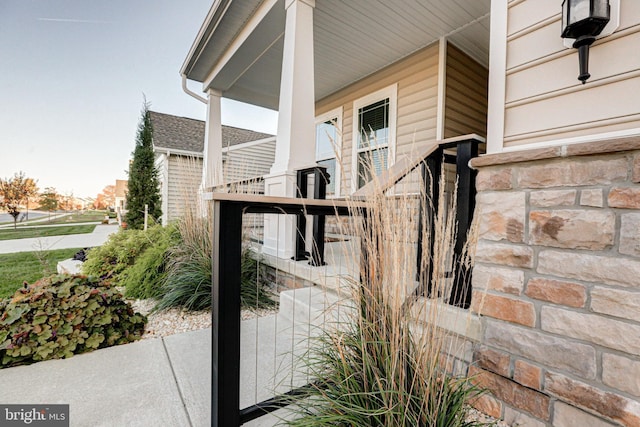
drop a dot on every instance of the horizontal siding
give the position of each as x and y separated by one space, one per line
465 95
417 80
544 101
249 162
184 178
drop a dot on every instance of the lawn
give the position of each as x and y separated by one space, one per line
88 216
23 233
28 266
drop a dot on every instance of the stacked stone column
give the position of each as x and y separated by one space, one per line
557 281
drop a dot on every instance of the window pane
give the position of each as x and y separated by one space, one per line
331 170
326 136
371 163
373 121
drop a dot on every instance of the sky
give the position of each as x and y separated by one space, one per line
74 77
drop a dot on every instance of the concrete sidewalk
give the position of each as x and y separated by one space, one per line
167 381
97 238
156 382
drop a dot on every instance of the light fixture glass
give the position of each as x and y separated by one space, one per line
583 20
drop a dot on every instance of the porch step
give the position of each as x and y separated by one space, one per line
313 305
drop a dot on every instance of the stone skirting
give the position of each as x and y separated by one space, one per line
559 258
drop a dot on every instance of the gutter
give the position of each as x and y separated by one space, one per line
190 92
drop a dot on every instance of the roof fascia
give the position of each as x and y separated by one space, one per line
242 37
213 18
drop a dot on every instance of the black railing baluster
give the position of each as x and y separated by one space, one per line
429 205
320 180
227 244
466 202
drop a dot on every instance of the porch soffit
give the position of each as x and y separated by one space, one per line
352 39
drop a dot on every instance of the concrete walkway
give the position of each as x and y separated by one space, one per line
157 382
97 238
167 381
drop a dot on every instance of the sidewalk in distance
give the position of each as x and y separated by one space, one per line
97 238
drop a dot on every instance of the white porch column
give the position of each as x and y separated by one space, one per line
212 161
295 142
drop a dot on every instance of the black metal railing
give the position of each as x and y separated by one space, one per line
466 149
320 181
228 210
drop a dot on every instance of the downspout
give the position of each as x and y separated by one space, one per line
190 92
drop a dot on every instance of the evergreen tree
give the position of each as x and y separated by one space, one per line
143 177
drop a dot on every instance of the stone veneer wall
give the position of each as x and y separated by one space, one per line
559 258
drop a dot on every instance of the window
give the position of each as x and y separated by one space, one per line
373 134
328 146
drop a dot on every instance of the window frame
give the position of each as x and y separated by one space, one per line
391 93
335 114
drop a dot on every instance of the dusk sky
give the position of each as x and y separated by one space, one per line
73 77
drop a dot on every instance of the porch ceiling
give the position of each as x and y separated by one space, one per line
352 39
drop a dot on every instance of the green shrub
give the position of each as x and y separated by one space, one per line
145 277
61 316
112 260
253 288
189 279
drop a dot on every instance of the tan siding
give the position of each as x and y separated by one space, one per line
544 99
254 160
185 175
417 80
465 96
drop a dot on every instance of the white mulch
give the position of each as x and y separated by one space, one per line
176 320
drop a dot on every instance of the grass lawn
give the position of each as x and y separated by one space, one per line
88 216
28 266
23 233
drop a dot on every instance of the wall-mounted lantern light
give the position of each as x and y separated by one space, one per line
583 20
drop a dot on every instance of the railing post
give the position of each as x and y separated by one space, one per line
431 170
301 220
319 193
466 201
227 249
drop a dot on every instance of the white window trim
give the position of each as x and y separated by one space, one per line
390 92
331 115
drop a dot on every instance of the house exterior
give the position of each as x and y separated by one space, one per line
558 196
178 146
122 186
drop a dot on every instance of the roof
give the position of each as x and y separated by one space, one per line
185 134
239 48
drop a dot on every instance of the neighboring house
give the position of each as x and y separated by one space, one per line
122 187
558 189
178 146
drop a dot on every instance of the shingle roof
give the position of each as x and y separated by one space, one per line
182 133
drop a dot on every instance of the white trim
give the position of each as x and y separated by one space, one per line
390 92
165 188
164 150
442 87
336 114
497 76
248 144
239 40
576 140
